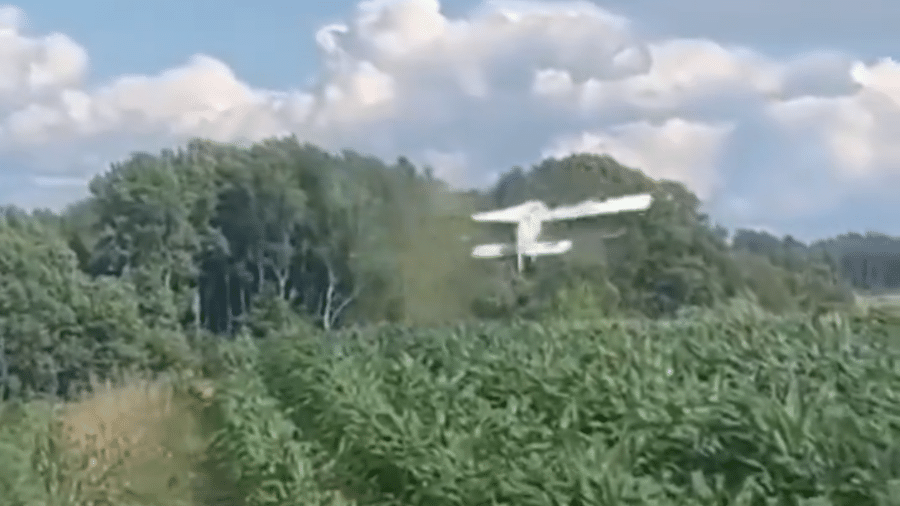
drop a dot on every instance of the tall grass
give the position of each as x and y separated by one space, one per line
138 442
167 442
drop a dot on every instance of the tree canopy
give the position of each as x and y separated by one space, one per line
202 239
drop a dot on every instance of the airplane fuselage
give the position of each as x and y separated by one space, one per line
529 228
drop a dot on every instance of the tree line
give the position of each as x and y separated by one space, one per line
212 239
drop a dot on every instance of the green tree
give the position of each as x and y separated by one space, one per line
57 324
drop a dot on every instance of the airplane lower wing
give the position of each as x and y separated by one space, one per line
638 202
499 250
547 248
494 250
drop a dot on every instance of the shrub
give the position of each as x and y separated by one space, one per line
21 426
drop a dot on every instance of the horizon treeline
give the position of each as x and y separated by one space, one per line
211 239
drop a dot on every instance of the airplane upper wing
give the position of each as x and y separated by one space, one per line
638 202
508 215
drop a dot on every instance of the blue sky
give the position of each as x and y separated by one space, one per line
779 114
269 43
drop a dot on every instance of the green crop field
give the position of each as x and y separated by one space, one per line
729 406
723 409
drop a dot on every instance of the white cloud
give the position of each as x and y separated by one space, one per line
882 77
30 67
503 85
11 17
496 49
449 166
677 150
682 70
858 130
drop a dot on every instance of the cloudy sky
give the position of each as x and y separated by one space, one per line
779 115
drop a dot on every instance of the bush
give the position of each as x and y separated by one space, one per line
21 427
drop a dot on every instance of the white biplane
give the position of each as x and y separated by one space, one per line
530 216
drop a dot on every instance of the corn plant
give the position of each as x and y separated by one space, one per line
735 408
257 446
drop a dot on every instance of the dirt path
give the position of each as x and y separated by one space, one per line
211 486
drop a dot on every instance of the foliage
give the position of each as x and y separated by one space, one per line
743 408
257 444
356 353
20 429
204 231
57 325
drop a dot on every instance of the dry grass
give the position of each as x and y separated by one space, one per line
139 443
